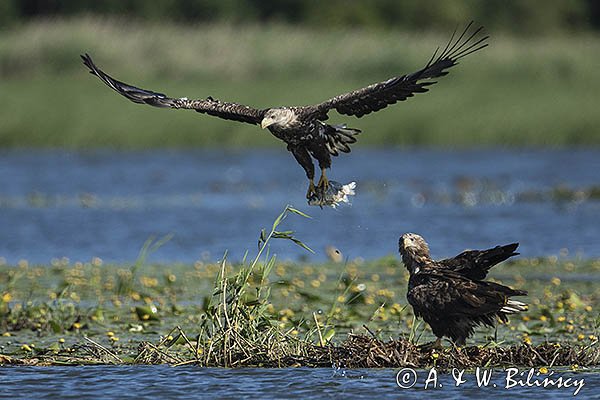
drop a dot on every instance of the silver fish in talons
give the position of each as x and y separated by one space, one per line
335 195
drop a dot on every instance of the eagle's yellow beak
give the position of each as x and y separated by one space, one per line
266 122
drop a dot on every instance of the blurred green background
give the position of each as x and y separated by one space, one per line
537 84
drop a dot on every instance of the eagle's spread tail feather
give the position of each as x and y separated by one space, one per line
339 137
513 307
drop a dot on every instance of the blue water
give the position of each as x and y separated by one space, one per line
106 204
149 382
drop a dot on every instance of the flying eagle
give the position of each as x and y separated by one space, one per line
303 128
450 295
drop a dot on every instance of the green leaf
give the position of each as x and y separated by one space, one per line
56 328
328 335
299 243
295 211
278 220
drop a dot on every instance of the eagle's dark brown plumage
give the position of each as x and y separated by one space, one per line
302 128
450 295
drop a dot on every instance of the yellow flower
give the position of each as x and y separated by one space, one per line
148 281
287 313
543 370
114 338
395 309
6 297
581 336
61 340
525 318
315 283
435 356
561 318
543 318
6 334
385 293
588 308
555 281
26 347
527 339
76 325
297 282
593 337
110 334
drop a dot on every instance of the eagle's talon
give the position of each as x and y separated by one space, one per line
435 345
311 190
323 184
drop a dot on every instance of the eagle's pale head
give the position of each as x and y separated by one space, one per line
414 250
280 117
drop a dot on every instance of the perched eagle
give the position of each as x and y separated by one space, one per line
450 295
303 128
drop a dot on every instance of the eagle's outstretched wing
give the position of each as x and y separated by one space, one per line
231 111
475 264
379 95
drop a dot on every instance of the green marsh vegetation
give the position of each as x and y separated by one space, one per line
520 91
266 312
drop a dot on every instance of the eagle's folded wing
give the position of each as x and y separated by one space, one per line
231 111
379 95
447 293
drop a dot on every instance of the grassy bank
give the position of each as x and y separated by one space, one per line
265 312
516 92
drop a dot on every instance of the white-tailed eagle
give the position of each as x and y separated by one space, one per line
303 128
450 295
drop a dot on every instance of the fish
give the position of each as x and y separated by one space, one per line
335 195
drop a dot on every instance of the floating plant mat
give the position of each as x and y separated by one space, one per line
266 312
